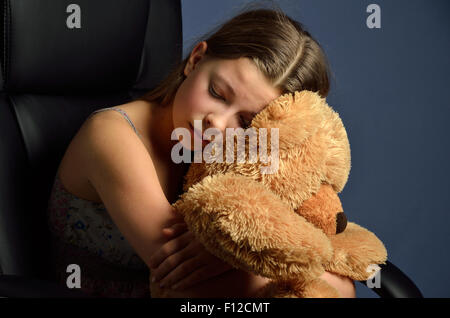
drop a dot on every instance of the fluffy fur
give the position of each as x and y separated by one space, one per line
283 225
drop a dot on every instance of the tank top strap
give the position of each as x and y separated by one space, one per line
124 114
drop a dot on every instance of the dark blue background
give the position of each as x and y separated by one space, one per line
389 87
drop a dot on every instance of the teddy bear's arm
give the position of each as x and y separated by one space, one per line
245 224
355 250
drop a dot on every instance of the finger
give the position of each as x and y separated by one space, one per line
208 270
169 268
184 269
343 286
175 230
199 275
176 216
170 248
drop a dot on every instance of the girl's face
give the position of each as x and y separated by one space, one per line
220 93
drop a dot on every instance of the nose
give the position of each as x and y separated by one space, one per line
341 222
218 121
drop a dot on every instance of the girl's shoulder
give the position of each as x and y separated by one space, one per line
135 114
72 172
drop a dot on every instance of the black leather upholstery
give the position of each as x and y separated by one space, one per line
59 63
53 76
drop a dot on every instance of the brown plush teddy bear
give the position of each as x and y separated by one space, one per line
287 224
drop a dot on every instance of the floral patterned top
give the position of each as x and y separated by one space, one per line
83 233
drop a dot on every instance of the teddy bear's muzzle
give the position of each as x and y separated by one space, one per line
341 222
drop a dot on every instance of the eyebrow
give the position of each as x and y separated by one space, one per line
228 86
225 82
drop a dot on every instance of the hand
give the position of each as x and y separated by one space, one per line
344 285
182 261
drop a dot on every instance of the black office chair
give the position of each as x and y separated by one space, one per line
60 62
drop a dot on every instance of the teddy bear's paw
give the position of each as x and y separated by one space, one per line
355 250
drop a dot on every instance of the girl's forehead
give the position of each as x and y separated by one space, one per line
236 67
242 78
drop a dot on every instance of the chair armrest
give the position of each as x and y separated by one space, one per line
14 286
395 284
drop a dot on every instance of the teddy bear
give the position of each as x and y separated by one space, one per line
287 224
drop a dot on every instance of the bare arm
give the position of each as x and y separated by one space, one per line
122 172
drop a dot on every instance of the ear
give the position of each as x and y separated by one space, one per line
324 210
197 54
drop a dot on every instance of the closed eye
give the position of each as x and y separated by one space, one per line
243 122
214 94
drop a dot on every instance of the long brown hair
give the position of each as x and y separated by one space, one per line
279 46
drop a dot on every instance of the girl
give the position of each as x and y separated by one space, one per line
129 179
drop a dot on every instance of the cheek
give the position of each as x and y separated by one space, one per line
187 106
192 97
180 107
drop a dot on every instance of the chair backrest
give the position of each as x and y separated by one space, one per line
60 61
